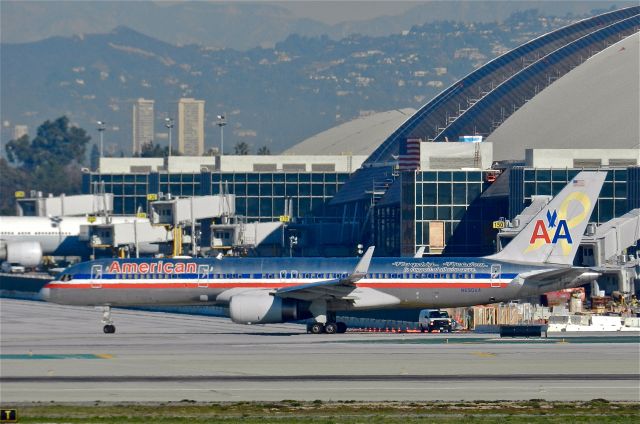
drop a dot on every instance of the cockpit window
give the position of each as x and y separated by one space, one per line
66 277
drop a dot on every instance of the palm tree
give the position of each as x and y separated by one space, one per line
241 148
264 150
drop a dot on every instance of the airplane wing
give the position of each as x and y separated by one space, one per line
336 288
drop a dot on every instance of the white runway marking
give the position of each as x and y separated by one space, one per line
170 346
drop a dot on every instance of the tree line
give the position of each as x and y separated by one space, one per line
151 150
51 161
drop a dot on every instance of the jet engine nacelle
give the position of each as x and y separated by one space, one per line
259 307
25 253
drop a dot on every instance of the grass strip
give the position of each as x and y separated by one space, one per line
347 412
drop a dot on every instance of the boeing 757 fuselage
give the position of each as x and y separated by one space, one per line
273 290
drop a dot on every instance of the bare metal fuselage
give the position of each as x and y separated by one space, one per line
426 282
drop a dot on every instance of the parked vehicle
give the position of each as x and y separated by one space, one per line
435 319
12 268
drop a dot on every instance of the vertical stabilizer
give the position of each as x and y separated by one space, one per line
554 234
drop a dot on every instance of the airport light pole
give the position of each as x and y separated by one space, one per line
168 122
101 127
221 121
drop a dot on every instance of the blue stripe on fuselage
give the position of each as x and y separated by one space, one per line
323 268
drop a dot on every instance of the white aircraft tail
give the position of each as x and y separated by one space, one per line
554 234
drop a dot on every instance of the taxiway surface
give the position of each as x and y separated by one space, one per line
59 353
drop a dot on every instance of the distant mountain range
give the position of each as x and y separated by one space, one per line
272 96
244 25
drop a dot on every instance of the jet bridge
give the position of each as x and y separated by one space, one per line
239 236
608 242
607 249
138 235
195 213
77 205
178 211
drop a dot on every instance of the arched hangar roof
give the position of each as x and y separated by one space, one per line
357 137
480 102
579 41
596 105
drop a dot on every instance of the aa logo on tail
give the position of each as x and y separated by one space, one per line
559 222
541 231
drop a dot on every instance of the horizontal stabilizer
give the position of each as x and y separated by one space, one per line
558 279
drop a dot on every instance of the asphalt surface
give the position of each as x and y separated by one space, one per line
58 353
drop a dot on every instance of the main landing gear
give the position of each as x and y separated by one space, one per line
329 328
325 321
108 328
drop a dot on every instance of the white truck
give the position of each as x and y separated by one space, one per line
435 319
12 268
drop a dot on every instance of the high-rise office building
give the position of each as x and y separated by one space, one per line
191 127
143 120
19 131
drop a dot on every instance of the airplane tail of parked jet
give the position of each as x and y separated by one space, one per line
554 234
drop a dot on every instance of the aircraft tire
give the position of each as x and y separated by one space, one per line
342 327
317 328
109 329
331 328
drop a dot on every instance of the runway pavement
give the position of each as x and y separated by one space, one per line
59 353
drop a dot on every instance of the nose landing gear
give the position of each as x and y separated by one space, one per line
108 328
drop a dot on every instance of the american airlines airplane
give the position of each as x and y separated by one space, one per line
275 290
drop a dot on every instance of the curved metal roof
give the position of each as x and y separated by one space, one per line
594 106
494 108
498 88
358 137
444 109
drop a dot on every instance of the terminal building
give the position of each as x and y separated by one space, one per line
575 87
446 210
482 151
260 183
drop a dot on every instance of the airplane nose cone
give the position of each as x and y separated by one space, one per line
45 293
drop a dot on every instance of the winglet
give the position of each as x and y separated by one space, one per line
363 265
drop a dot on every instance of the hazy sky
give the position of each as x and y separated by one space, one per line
328 11
333 12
